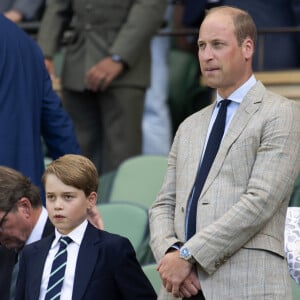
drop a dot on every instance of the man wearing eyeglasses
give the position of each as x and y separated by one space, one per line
23 220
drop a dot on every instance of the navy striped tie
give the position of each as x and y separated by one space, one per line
57 274
210 153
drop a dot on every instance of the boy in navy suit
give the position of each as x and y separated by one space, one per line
100 265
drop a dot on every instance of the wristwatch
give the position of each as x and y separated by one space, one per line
184 253
118 59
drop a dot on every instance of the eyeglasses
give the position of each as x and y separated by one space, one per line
4 216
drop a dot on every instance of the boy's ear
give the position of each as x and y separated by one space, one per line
92 199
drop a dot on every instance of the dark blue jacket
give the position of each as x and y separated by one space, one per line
29 108
106 268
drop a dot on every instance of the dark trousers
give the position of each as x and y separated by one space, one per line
108 125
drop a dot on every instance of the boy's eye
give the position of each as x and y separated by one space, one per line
50 197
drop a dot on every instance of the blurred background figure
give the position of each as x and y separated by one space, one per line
105 72
274 51
22 10
186 92
157 130
31 114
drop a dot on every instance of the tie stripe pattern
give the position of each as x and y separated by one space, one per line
210 153
58 268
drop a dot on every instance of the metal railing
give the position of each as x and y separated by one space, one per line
32 29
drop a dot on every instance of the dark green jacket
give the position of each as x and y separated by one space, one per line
102 28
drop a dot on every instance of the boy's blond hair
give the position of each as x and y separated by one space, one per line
74 170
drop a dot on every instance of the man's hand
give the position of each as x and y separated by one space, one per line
50 67
95 217
191 285
102 74
14 16
173 271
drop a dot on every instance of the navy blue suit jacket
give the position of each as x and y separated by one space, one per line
29 108
106 268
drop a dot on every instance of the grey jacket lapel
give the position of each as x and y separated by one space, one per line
245 112
198 142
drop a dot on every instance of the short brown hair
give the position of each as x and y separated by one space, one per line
74 170
13 186
243 23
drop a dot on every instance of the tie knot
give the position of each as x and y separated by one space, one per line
224 102
65 241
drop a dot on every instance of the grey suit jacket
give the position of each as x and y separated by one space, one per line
242 207
102 28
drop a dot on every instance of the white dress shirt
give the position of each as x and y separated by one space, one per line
38 229
73 248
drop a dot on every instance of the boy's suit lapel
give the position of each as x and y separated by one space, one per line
86 261
38 263
48 229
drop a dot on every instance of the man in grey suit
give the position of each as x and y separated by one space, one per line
105 72
237 249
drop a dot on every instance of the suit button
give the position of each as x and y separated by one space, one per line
182 209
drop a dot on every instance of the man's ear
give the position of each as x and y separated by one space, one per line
24 206
248 48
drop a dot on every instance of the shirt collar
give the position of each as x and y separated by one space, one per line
76 235
239 94
37 232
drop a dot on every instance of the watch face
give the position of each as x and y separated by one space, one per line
185 252
116 58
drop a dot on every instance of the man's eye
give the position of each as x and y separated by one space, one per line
201 46
217 44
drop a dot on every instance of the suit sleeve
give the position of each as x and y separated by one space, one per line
144 20
130 278
56 19
162 213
